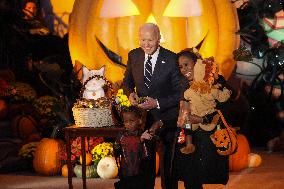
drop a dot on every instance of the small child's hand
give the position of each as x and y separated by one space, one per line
146 136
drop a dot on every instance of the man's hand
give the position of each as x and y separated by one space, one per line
133 99
150 103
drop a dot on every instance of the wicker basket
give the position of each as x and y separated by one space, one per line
92 117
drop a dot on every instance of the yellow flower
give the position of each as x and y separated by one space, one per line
128 104
99 151
122 99
102 150
120 92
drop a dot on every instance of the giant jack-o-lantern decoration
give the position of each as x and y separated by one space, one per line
92 37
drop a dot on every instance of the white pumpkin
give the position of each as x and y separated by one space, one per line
107 168
254 160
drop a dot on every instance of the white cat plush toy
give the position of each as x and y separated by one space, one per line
94 87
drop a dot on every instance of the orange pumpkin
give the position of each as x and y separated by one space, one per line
47 160
3 109
239 160
92 38
64 170
89 158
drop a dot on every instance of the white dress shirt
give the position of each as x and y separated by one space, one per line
153 60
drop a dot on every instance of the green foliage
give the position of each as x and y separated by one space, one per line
19 91
45 106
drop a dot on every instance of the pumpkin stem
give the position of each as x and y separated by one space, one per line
54 131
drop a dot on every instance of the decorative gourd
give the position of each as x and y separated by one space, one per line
239 160
3 109
23 126
107 168
64 170
89 158
92 37
91 171
254 160
47 160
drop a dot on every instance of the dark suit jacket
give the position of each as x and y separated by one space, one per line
165 83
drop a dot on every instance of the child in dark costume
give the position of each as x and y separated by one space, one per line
130 151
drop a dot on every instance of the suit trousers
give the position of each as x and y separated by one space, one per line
168 138
148 165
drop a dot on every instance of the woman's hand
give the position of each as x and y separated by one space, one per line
193 119
184 112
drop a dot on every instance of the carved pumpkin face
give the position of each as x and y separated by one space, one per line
95 41
225 141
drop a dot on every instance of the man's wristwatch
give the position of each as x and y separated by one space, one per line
187 126
158 105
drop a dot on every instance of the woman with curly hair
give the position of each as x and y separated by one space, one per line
200 164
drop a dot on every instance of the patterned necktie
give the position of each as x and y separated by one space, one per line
148 72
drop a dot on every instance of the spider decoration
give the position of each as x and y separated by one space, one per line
250 12
266 70
271 75
264 95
